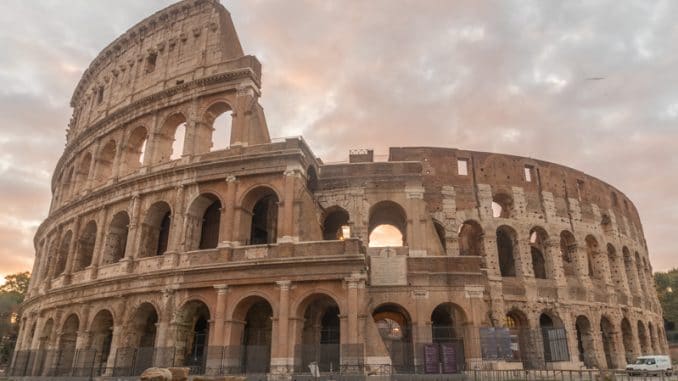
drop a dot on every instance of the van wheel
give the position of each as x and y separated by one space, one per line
669 373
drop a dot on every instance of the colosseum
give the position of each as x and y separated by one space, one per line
181 234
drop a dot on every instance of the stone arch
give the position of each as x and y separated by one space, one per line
219 117
192 334
170 137
82 173
254 333
116 240
105 162
607 338
390 213
336 224
448 322
203 221
47 335
502 205
585 341
627 340
554 337
394 323
507 250
101 330
643 339
538 242
319 334
135 150
141 326
261 221
85 248
155 230
62 254
66 345
471 239
568 252
518 325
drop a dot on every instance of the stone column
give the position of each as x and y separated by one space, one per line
166 317
219 316
416 226
422 326
281 361
474 294
133 233
352 309
286 229
226 236
116 340
99 245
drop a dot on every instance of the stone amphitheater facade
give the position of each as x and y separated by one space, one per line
257 257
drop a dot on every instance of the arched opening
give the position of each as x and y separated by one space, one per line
139 348
568 251
155 230
538 238
387 225
587 353
642 339
67 186
311 179
606 333
627 338
220 117
62 254
471 239
203 221
592 251
192 336
554 338
395 328
320 334
101 338
82 175
653 338
104 164
46 340
85 250
135 150
262 205
507 246
67 340
502 205
440 232
336 224
256 314
516 322
116 240
169 143
628 269
615 270
447 331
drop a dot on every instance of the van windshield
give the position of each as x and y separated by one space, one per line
645 361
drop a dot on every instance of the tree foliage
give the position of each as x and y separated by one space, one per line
12 293
667 290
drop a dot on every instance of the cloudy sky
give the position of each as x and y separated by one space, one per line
592 85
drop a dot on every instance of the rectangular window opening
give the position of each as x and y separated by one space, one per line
150 62
528 173
462 167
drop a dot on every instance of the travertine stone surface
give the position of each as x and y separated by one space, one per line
146 247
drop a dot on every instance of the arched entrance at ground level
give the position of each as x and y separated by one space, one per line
252 336
66 346
607 337
46 340
554 338
192 335
395 328
516 322
102 336
585 342
138 350
642 338
627 338
447 335
320 334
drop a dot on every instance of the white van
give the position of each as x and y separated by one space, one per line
652 364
